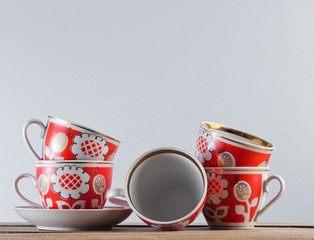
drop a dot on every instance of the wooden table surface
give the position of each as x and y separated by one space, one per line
261 231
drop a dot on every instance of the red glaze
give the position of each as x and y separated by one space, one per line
64 141
73 185
234 197
215 151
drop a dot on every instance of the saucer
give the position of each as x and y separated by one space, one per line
74 219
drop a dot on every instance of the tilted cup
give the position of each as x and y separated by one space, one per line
65 140
166 188
222 146
236 196
72 185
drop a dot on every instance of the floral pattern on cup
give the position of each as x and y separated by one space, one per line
89 146
241 207
205 147
58 144
242 197
226 159
218 214
64 140
99 186
242 192
216 188
73 185
70 182
43 184
221 146
79 204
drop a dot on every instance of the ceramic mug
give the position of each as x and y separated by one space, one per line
65 140
72 185
236 196
166 188
222 146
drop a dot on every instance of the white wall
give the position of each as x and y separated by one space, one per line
149 71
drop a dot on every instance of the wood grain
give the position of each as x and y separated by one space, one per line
261 231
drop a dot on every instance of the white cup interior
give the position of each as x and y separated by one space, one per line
166 187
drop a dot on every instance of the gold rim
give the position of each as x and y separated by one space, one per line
159 152
88 129
74 162
134 167
208 169
262 144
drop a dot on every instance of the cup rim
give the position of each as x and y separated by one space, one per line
261 144
83 127
73 162
237 169
151 153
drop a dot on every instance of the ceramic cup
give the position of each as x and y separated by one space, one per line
166 188
69 141
236 196
222 146
72 185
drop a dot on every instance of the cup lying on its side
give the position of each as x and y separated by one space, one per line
69 141
166 188
72 185
236 196
222 146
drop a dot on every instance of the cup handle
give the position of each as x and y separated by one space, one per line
266 190
16 187
113 197
27 142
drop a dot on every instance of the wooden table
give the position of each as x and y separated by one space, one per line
194 231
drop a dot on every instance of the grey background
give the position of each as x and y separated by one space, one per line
148 72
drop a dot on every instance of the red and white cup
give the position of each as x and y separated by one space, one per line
166 188
65 140
72 185
222 146
236 196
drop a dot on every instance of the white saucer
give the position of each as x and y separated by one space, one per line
74 219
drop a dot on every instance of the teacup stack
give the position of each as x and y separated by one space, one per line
75 169
236 165
167 188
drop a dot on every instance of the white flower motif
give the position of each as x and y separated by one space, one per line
88 146
217 188
205 147
80 204
70 182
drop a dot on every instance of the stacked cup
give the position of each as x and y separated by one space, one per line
236 165
75 170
